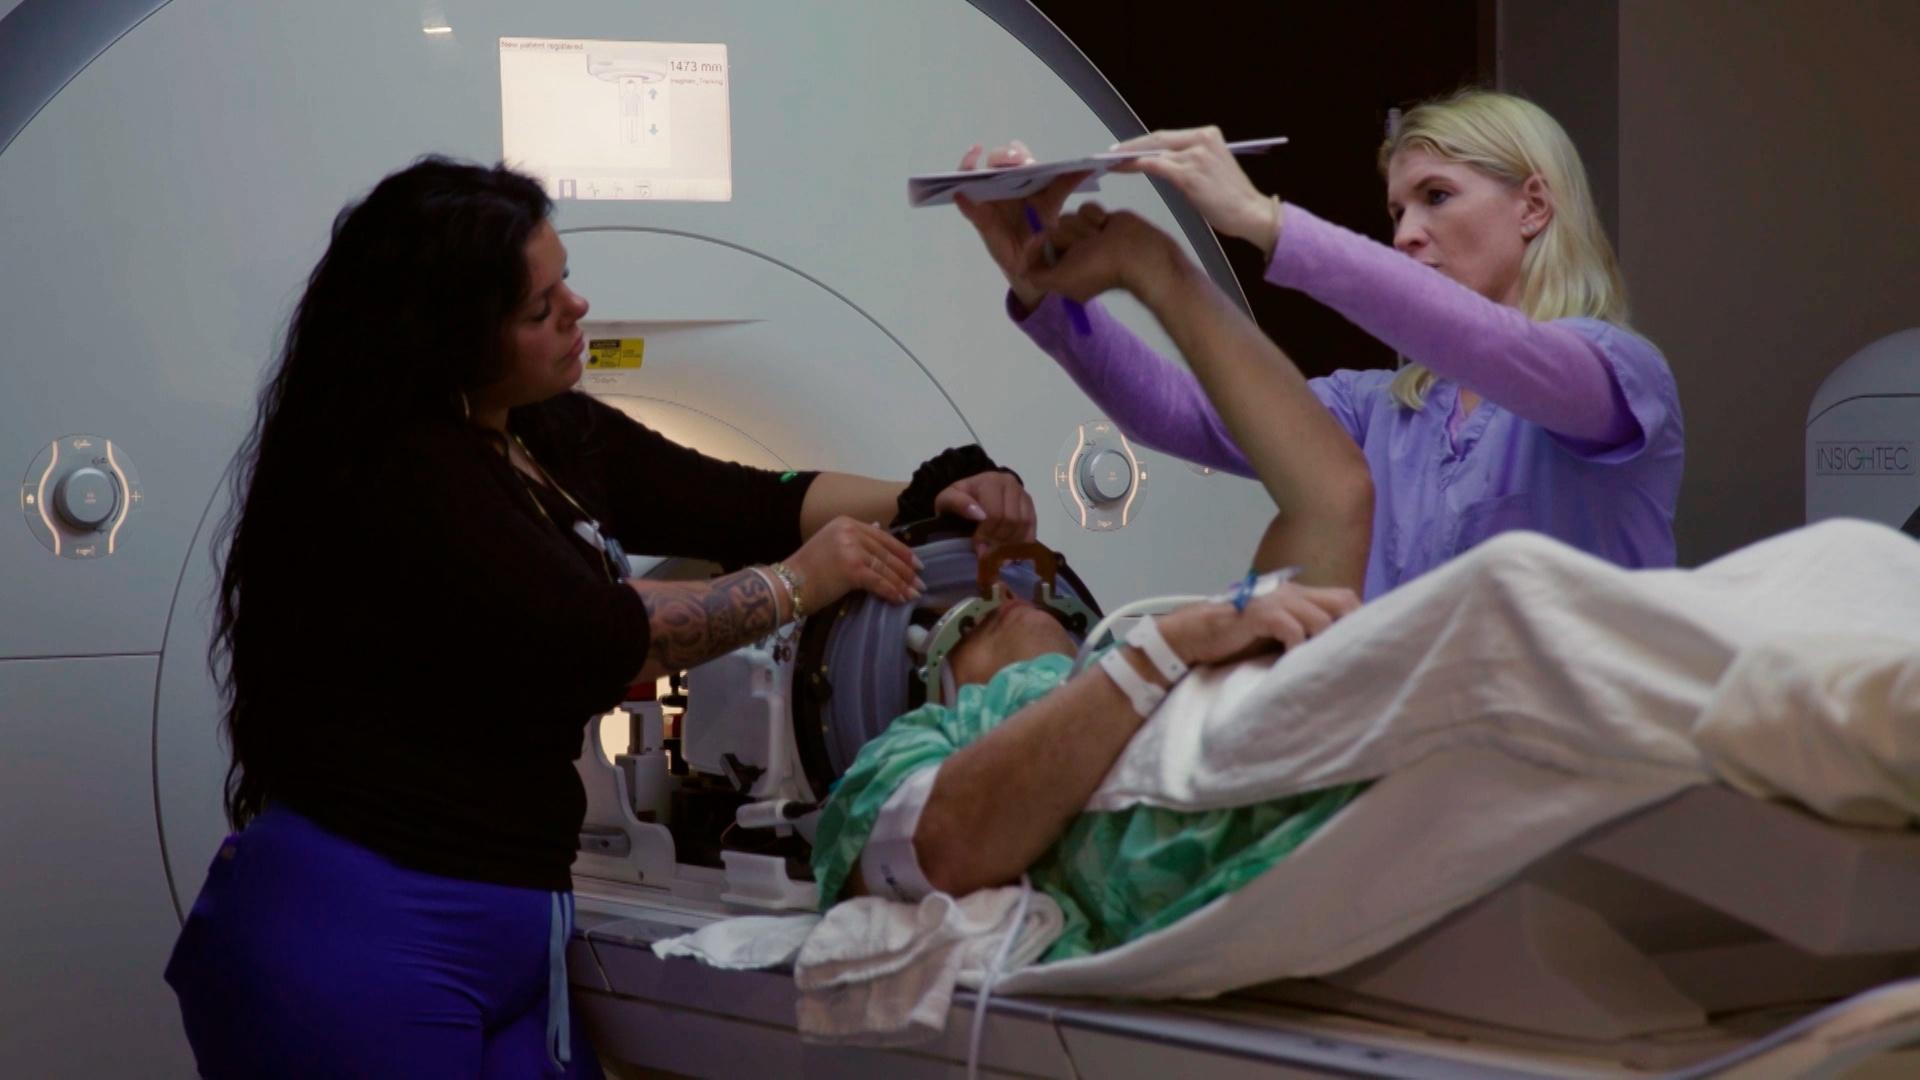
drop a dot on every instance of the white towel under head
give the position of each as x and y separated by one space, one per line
875 970
748 943
880 972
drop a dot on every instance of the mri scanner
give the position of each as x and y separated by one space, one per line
168 173
1863 426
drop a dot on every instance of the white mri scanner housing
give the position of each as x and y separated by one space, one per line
168 173
1863 437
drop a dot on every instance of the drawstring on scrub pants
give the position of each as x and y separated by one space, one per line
559 1026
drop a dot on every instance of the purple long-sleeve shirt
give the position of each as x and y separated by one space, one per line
1579 434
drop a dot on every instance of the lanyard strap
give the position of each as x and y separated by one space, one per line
612 557
559 1024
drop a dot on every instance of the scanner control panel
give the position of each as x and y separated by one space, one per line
78 495
1099 476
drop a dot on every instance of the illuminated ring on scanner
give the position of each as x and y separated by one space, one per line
853 672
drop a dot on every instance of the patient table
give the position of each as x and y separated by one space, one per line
1712 935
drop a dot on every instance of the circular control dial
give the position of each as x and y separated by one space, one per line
1099 477
77 496
86 498
1106 476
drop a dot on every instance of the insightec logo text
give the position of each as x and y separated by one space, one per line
1863 459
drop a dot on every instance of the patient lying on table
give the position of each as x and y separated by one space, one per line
973 793
1787 670
961 797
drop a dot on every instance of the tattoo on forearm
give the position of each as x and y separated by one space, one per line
693 622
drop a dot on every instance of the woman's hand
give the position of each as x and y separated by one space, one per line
845 555
1214 633
1094 251
997 501
1003 224
1198 162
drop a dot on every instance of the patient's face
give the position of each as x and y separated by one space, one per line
1016 631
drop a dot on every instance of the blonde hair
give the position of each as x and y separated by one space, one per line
1569 268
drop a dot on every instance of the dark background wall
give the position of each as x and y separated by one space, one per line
1764 159
1564 55
1770 174
1322 74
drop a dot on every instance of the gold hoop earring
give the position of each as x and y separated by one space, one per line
466 410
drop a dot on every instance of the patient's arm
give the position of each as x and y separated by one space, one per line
1293 540
1311 467
1001 801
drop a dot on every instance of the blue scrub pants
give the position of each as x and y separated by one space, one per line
308 955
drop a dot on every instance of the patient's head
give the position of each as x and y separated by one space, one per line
1017 630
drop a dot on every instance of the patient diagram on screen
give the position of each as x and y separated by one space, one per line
641 107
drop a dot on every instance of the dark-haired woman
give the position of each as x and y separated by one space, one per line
422 605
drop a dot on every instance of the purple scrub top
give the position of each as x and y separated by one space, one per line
1438 492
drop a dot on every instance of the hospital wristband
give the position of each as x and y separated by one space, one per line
889 863
1144 696
1146 637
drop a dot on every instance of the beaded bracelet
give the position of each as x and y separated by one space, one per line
774 588
792 580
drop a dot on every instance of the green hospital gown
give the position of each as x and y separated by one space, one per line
1116 875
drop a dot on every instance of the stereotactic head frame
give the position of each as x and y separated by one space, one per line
960 619
857 667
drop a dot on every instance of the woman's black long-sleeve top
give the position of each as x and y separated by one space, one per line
455 637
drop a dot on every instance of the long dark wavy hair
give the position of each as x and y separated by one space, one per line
407 310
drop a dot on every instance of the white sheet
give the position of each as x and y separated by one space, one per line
1513 699
1825 719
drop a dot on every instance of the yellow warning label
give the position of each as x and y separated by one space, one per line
603 353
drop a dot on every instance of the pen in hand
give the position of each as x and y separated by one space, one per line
1075 312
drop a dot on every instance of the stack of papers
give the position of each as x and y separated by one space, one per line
1014 182
1020 181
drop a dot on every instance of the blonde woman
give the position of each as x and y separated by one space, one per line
1528 403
